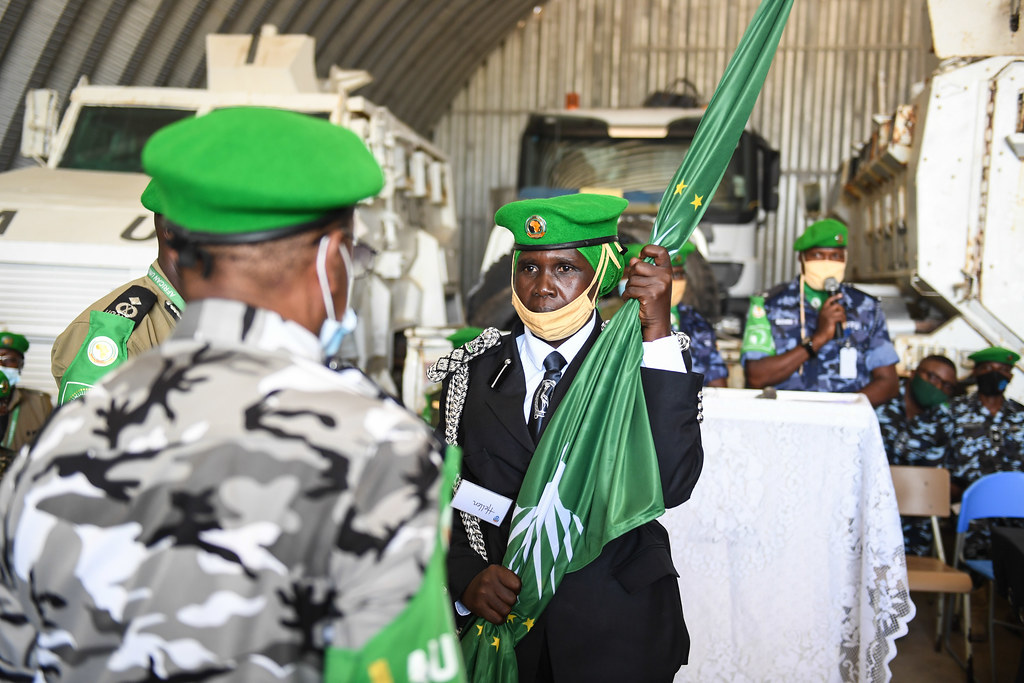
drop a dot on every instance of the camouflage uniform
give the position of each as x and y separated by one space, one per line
905 446
220 509
703 349
865 331
974 442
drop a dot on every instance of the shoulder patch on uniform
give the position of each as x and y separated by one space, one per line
133 303
102 351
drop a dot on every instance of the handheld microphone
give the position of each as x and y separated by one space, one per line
832 287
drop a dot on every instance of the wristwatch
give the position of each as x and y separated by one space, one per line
806 343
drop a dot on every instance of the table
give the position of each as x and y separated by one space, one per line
790 552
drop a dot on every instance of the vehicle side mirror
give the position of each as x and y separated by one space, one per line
40 124
770 172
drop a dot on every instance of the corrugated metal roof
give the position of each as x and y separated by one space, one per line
420 52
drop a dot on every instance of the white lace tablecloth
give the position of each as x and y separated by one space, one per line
790 552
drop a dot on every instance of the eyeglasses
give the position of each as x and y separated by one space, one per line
947 388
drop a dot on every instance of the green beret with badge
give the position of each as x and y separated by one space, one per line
217 187
587 222
15 342
995 354
679 259
152 198
824 234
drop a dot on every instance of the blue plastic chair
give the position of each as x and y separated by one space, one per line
1000 494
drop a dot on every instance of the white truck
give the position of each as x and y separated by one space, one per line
935 199
73 228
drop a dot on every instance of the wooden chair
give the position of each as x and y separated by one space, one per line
924 492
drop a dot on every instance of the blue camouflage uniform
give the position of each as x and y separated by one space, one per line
974 443
703 349
865 331
907 446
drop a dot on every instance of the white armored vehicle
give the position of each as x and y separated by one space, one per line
73 229
935 200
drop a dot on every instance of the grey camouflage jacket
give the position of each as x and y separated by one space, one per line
221 508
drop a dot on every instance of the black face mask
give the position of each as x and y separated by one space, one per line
992 383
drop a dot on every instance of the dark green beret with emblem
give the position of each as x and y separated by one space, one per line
569 221
15 342
827 233
249 174
995 354
574 221
679 259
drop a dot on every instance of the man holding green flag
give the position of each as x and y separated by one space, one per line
619 617
574 512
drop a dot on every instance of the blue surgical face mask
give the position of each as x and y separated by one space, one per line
333 331
12 374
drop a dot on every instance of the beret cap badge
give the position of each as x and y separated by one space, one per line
536 227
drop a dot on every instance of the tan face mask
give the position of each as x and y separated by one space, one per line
567 320
678 289
816 272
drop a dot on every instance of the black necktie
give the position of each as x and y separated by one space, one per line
539 412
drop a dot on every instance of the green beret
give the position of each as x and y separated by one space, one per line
827 233
995 354
152 198
463 335
633 250
248 174
680 258
573 221
16 342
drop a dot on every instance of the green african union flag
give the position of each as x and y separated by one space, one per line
419 646
579 493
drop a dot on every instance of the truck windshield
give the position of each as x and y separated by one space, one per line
111 138
569 158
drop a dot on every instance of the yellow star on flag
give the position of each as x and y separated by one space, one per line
511 617
680 187
696 201
529 625
479 629
495 643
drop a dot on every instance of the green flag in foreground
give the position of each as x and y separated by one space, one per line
419 646
694 184
578 493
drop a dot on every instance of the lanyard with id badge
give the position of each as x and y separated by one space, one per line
847 352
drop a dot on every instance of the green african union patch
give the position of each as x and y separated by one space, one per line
757 336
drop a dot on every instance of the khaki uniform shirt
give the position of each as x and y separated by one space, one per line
27 413
223 508
153 329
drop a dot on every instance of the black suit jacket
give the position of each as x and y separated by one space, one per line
619 618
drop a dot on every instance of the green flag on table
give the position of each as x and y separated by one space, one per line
419 646
579 493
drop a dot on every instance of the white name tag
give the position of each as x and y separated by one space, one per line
480 502
848 362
